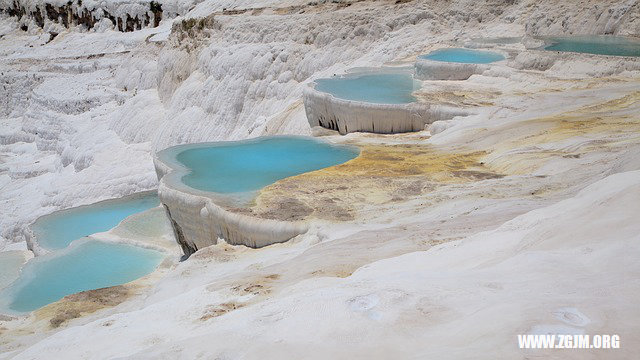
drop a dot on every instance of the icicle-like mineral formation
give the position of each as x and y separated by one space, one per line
345 116
198 221
124 15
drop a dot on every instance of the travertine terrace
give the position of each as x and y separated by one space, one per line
517 215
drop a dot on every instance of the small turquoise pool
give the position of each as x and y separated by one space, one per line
57 230
599 45
382 88
85 265
243 166
464 56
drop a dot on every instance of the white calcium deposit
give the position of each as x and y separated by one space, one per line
426 69
456 271
345 116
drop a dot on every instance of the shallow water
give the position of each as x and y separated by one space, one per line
150 225
234 167
465 56
10 264
599 45
86 265
59 229
383 88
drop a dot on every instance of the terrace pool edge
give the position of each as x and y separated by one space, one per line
346 116
427 69
198 220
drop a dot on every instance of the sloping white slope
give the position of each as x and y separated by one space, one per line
570 267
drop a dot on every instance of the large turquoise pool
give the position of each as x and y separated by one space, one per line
379 88
85 265
243 166
599 45
465 56
57 230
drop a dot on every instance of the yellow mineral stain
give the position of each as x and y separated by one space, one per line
380 174
404 161
605 126
610 117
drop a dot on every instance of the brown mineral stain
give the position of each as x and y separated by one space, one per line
335 271
83 303
219 309
458 98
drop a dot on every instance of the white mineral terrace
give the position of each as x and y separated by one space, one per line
198 221
345 116
426 69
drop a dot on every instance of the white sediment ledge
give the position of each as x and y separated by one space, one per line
426 69
345 116
199 220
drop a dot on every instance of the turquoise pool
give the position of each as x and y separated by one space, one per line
599 45
379 88
244 166
57 230
464 56
85 265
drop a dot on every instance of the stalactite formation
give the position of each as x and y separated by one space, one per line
345 116
198 221
74 13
